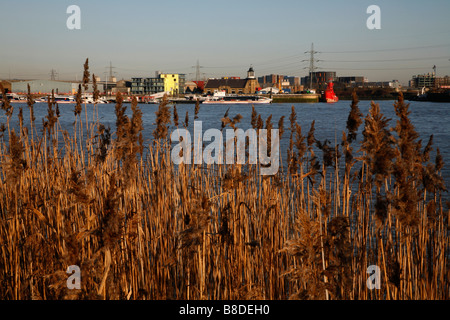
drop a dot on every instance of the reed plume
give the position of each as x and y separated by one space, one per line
175 116
6 105
30 103
254 117
86 75
408 160
378 144
186 120
281 126
16 164
354 119
162 120
78 107
96 92
197 109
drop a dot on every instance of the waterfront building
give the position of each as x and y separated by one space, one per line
282 82
194 86
234 85
6 85
190 86
146 86
424 80
42 86
394 84
318 78
293 81
350 80
174 83
271 80
46 86
200 85
442 82
122 86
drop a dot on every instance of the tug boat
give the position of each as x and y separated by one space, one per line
330 96
220 97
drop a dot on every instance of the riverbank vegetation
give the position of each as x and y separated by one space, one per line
140 227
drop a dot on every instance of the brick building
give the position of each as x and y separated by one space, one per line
234 85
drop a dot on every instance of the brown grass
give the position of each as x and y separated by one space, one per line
141 228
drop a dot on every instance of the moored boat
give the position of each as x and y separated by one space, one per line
220 97
65 99
58 99
14 98
330 96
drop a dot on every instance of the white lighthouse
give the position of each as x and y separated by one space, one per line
251 73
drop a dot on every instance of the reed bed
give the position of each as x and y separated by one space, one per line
140 227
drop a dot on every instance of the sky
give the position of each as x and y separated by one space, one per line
140 37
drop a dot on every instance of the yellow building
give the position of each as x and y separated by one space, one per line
171 83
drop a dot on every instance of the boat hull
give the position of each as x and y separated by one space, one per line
330 96
265 101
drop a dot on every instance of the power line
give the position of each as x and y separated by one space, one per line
389 50
386 60
387 69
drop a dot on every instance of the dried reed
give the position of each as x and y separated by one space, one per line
140 227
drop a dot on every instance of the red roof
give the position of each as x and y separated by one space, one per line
200 84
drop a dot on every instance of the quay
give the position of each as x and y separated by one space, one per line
295 98
277 98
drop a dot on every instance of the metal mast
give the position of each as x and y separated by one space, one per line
197 71
111 73
53 74
312 67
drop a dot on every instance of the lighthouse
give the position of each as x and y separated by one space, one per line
251 73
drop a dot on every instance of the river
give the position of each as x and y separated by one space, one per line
330 119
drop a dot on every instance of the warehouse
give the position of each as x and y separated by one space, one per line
46 87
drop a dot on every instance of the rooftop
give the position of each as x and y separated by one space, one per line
232 83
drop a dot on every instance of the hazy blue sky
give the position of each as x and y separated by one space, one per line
140 37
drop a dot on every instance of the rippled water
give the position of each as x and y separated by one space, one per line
330 120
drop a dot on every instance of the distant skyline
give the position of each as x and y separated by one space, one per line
141 37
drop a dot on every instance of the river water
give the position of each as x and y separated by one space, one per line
330 119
